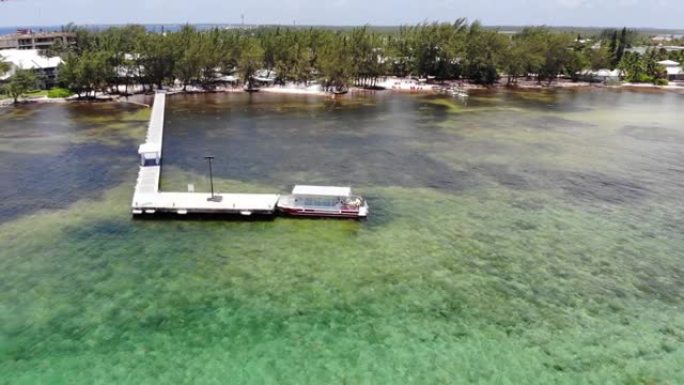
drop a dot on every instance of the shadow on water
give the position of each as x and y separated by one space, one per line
197 217
380 211
587 187
55 155
653 134
384 144
549 122
364 146
109 229
51 181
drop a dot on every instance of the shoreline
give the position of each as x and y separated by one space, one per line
424 89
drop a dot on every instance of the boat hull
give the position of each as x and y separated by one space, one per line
302 212
322 201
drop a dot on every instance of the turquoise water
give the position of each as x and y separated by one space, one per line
532 237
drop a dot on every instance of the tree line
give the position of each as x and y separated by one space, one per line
101 61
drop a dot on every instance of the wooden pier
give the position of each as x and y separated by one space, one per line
148 200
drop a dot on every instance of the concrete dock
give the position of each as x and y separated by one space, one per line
148 200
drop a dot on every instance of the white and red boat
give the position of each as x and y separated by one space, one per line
323 201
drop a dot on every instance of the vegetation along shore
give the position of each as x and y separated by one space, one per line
130 59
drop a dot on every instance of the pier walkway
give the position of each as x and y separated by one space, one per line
148 199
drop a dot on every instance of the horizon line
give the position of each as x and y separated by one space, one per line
343 25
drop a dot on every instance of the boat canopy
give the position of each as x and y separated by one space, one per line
322 191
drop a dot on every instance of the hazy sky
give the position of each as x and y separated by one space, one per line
632 13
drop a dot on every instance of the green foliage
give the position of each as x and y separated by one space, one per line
557 54
599 57
87 72
20 83
483 53
482 72
251 58
335 62
100 61
59 92
367 53
524 55
575 63
36 93
643 68
189 52
158 58
434 50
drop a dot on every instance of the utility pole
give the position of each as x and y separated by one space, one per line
212 198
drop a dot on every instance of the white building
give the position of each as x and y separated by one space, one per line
604 75
673 68
30 59
27 39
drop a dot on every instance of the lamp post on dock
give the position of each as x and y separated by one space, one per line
212 198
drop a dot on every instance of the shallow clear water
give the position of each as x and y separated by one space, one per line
532 237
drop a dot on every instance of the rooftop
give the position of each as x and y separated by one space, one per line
31 34
29 59
603 72
322 190
668 63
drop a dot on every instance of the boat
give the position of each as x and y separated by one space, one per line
323 201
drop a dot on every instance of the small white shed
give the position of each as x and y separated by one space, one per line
150 154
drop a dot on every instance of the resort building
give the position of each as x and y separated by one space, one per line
27 39
30 59
666 38
604 75
674 70
642 50
264 77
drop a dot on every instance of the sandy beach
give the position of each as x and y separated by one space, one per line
389 84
